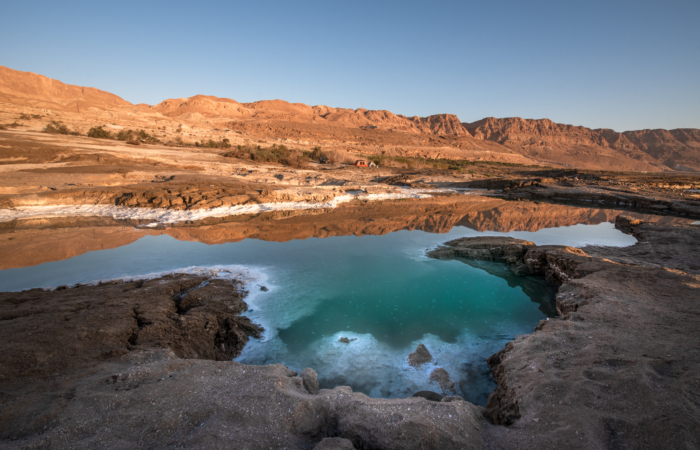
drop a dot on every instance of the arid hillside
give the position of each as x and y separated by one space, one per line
30 89
189 121
543 139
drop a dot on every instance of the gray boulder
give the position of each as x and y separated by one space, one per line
310 379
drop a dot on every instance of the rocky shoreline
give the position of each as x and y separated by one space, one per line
147 364
618 367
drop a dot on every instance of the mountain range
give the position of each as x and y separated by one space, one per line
443 135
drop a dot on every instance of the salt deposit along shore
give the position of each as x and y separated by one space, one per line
167 215
144 365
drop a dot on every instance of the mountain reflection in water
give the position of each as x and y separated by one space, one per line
30 242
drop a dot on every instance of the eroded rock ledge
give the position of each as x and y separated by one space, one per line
147 364
619 367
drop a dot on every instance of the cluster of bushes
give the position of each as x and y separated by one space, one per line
224 143
460 164
315 154
333 156
274 154
141 135
130 136
99 133
30 117
439 163
57 127
14 124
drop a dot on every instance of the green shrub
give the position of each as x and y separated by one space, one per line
147 138
57 127
99 133
315 154
125 135
25 117
224 143
274 154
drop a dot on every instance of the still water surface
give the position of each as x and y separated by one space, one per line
381 292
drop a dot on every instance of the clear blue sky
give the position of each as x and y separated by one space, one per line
615 64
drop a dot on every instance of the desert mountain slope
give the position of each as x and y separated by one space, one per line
678 149
543 139
210 107
361 131
30 89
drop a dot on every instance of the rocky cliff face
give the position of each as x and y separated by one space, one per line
679 149
514 130
676 149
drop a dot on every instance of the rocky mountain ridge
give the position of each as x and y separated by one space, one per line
538 140
672 148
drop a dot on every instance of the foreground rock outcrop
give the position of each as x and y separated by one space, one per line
147 364
618 368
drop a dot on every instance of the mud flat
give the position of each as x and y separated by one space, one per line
619 367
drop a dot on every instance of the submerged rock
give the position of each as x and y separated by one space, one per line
264 288
335 443
420 356
429 395
310 379
441 377
346 340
